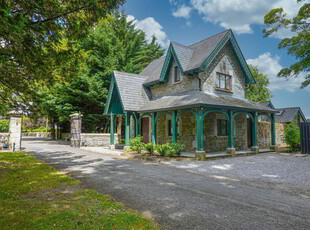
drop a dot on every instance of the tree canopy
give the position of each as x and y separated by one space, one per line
298 45
112 44
36 36
259 91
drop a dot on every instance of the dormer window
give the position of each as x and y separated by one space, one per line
177 75
223 81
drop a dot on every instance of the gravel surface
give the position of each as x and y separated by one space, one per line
238 193
287 169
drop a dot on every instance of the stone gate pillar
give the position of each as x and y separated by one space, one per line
76 127
15 131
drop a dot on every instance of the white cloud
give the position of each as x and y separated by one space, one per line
270 65
182 11
151 27
239 15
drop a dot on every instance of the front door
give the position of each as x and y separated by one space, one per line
249 128
145 129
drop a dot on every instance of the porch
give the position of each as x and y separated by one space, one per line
237 141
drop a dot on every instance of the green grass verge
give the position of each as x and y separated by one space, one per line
34 195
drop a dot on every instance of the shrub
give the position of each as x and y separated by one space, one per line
137 144
292 136
169 150
4 126
150 148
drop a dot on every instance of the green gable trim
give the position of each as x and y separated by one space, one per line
229 37
167 64
114 104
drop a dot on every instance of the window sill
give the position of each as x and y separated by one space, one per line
224 90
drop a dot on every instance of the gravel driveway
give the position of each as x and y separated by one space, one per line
288 170
266 191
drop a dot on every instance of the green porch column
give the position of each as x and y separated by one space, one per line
138 124
174 126
154 115
273 130
112 142
199 131
127 128
254 134
230 129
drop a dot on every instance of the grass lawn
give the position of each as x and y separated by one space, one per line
34 195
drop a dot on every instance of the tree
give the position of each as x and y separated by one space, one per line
298 45
36 37
259 91
292 136
112 44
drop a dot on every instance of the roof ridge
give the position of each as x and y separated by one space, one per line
225 31
289 108
182 45
131 74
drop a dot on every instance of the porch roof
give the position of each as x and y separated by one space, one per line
200 98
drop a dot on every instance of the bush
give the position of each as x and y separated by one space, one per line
169 150
292 137
150 148
137 144
4 126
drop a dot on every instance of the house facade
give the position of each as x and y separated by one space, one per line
194 95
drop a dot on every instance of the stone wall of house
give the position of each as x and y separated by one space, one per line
233 68
280 134
264 134
213 142
97 139
171 87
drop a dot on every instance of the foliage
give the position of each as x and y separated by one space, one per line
113 44
169 149
292 136
4 126
137 144
149 147
258 92
40 197
37 42
298 45
40 130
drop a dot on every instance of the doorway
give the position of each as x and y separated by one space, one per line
145 129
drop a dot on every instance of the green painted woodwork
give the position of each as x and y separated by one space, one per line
230 129
112 142
138 124
154 115
216 111
199 130
127 128
174 126
273 129
254 134
229 37
247 113
114 104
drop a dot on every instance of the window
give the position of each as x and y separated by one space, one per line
176 74
170 128
223 81
222 127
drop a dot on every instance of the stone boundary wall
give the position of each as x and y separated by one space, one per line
4 137
37 134
264 134
97 139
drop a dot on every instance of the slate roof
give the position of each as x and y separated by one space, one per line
267 104
190 57
153 70
289 114
196 98
131 90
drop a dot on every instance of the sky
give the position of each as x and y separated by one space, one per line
189 21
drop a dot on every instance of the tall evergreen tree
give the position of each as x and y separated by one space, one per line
112 44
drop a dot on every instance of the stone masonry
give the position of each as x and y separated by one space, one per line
213 142
15 131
